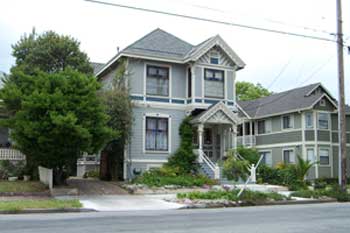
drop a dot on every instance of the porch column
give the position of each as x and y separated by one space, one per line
234 136
200 136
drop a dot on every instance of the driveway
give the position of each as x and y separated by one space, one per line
96 187
128 202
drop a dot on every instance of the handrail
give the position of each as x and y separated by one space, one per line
207 160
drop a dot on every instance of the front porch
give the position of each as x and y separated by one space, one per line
215 134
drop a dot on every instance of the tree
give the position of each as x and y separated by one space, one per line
119 110
250 91
184 159
302 167
50 53
51 98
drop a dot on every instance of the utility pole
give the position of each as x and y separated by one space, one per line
341 104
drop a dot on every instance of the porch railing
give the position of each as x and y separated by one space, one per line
203 158
248 140
11 154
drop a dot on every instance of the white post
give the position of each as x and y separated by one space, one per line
243 133
200 136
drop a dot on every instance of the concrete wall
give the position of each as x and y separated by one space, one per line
46 176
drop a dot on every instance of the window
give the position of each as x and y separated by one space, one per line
157 81
267 158
310 153
156 134
214 58
323 119
323 103
287 122
288 156
309 124
264 126
324 157
189 83
214 83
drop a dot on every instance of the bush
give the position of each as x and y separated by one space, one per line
334 192
10 169
234 168
170 176
249 154
247 196
92 174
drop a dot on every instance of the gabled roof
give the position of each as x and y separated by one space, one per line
161 45
292 100
217 113
96 66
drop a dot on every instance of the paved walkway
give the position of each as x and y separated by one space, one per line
96 187
128 203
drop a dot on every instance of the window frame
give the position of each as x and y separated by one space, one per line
314 154
291 121
312 120
264 158
214 55
318 120
288 149
207 79
264 130
328 155
158 66
158 116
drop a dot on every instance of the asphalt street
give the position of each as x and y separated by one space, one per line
315 218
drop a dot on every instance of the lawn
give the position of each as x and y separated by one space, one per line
38 204
21 186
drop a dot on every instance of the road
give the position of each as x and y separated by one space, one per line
315 218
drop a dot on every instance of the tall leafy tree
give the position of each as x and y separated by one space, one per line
51 96
250 91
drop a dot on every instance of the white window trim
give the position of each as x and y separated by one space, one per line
225 83
289 149
145 79
267 151
329 120
291 122
313 149
215 56
312 121
323 103
329 157
158 115
267 130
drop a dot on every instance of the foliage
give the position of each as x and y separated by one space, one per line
11 169
249 154
59 116
39 204
171 176
119 110
21 186
234 168
250 91
334 192
184 159
50 52
247 196
302 168
92 174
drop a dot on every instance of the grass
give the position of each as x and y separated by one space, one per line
331 191
247 195
38 204
21 186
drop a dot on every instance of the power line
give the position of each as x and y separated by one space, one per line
213 21
279 74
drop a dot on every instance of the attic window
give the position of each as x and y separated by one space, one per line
323 103
214 58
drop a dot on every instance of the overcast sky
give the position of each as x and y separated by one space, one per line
278 62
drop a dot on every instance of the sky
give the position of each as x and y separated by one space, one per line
278 62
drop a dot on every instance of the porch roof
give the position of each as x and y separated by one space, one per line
218 113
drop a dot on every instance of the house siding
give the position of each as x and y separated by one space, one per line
283 137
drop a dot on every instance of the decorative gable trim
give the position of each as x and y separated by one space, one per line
327 97
325 90
216 41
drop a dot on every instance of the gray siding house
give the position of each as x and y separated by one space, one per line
301 121
170 79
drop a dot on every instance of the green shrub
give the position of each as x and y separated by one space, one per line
247 196
333 191
92 174
234 168
249 154
169 176
184 159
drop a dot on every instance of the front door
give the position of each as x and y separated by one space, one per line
208 147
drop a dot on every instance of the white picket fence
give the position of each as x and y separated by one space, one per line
11 154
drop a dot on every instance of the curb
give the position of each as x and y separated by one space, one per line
275 203
47 211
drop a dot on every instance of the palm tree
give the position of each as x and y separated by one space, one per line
302 167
